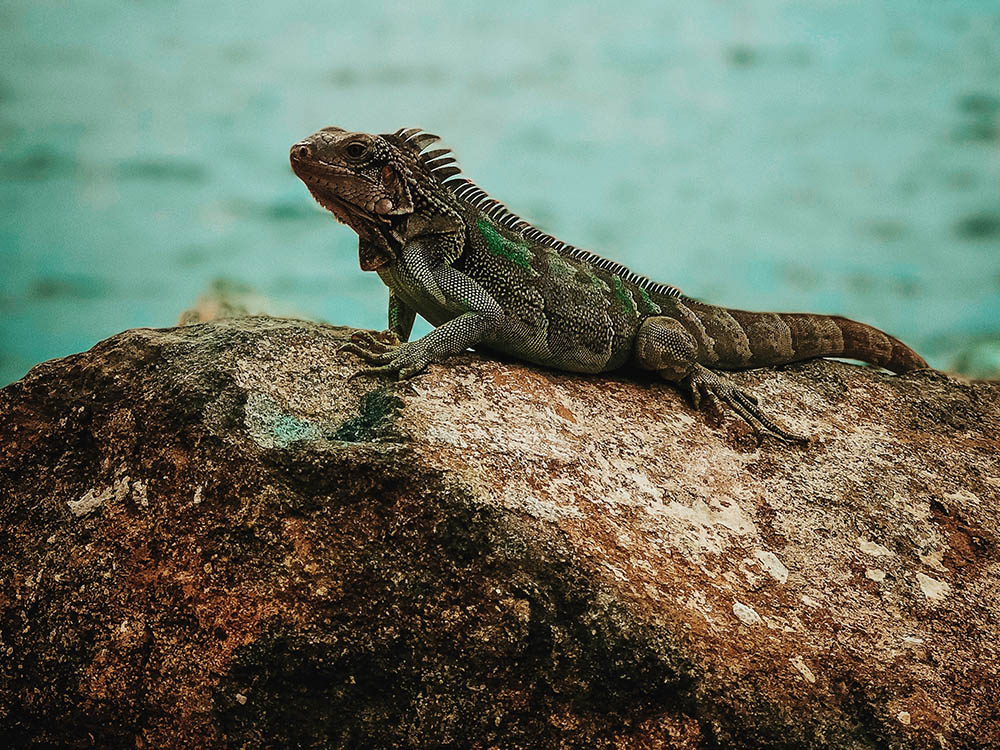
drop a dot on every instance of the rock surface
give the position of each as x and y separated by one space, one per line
210 537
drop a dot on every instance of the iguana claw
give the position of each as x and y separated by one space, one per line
375 340
702 383
401 360
368 355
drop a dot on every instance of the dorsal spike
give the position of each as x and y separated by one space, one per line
444 172
443 162
435 153
423 140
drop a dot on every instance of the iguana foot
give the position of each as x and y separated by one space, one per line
371 342
371 346
401 360
705 385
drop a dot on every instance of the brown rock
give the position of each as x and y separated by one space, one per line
212 538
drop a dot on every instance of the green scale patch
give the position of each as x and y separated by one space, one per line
651 307
517 252
628 304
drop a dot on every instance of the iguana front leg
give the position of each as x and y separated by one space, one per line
477 315
665 346
400 318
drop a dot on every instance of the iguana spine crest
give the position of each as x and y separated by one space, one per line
443 166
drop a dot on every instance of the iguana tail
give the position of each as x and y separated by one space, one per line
743 339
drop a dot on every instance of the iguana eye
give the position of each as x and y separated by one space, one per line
355 150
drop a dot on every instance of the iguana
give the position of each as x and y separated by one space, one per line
489 279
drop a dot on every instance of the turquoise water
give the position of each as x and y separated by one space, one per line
828 156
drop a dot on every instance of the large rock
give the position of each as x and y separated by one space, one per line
211 537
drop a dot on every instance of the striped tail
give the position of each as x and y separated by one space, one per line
768 339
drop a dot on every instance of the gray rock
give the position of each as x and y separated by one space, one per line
212 538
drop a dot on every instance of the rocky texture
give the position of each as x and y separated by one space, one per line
210 537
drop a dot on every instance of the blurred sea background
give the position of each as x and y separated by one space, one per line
838 157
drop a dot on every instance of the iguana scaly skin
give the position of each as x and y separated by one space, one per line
487 278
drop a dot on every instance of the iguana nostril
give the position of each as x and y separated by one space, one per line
302 152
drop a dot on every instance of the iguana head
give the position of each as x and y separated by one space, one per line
375 183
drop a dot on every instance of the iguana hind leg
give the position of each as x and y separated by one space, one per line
665 346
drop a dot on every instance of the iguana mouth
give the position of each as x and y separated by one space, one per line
308 168
314 168
323 188
329 200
